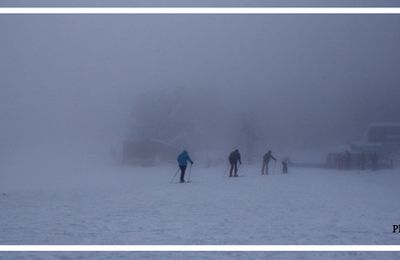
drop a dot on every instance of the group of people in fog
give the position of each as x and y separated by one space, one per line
354 160
234 158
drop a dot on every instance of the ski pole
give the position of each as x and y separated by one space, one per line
225 173
174 176
190 171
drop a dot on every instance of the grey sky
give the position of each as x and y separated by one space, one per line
306 80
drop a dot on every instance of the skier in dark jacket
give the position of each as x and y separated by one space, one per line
183 158
267 157
234 158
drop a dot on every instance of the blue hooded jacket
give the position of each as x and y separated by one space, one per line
183 158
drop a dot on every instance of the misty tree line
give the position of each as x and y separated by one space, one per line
194 119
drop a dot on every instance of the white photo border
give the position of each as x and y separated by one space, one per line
199 10
199 248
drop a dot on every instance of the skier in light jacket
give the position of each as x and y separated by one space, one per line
267 157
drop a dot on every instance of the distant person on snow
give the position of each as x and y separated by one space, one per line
234 158
285 163
267 157
183 158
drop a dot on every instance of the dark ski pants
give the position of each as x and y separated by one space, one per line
183 169
264 169
284 168
233 166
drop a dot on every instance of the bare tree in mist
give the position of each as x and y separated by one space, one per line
162 115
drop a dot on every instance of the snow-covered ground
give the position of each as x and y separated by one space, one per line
127 205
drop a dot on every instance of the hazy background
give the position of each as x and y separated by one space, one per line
74 86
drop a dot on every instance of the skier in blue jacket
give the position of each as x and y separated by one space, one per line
183 158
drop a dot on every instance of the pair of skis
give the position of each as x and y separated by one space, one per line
227 171
176 173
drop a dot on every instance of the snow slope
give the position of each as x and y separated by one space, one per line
123 205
